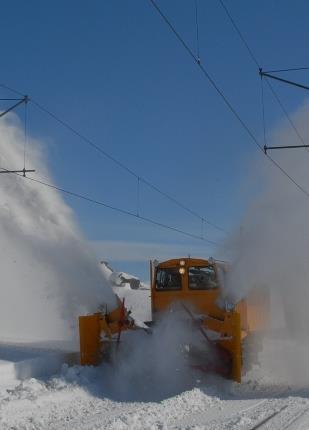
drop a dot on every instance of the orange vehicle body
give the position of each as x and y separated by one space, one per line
233 325
97 331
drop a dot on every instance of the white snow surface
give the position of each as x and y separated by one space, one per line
83 398
137 301
40 389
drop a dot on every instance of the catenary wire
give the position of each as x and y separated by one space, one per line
124 167
12 90
293 69
80 196
217 89
254 59
225 99
114 208
117 162
206 74
197 30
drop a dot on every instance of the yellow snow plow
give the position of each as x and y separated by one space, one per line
195 285
99 331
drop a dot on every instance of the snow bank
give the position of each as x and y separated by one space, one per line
23 364
119 279
136 294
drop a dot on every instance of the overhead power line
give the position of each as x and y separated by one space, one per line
127 169
293 69
22 173
224 98
253 57
197 32
18 93
108 206
266 74
139 178
205 73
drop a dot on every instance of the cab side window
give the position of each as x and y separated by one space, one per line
168 279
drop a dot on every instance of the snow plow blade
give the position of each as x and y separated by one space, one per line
98 331
230 337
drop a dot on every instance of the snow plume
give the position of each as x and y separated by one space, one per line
272 244
156 365
48 274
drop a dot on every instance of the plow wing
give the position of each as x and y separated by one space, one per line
99 330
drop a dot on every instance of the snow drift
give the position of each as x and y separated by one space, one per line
48 274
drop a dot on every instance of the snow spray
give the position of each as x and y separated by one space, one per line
271 249
48 274
152 366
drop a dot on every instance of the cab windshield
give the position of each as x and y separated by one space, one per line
203 278
168 279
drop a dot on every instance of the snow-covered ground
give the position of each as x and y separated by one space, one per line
39 390
82 398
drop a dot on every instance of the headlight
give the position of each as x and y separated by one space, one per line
182 270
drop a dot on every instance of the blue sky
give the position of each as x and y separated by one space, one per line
114 71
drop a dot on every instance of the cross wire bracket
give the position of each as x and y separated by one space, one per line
285 81
25 100
295 84
23 171
266 148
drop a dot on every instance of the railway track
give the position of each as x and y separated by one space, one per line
281 412
268 419
288 417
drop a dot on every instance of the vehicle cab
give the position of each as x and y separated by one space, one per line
189 280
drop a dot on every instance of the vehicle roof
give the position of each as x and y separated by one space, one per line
188 262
